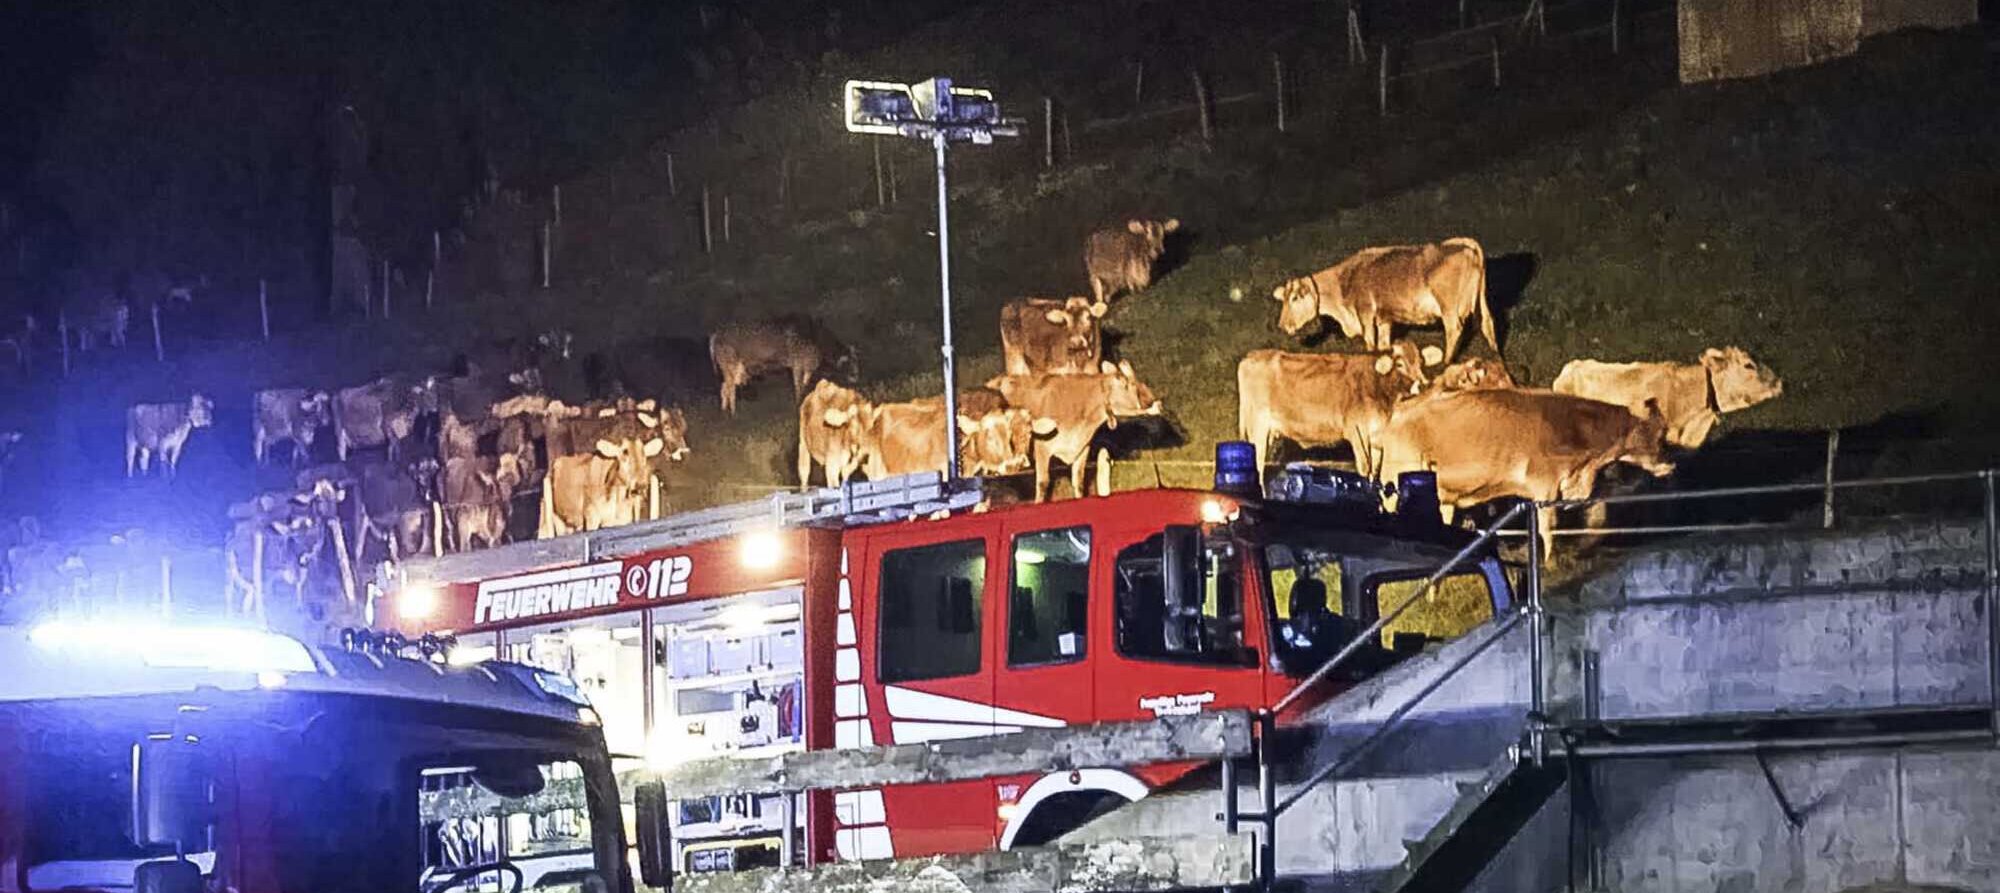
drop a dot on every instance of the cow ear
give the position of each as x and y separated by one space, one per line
836 417
1107 368
1125 369
1057 317
649 420
649 405
1043 426
654 446
1173 224
967 426
607 449
1383 364
1099 309
1432 355
1714 358
1137 227
607 412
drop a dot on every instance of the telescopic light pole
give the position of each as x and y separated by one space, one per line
944 302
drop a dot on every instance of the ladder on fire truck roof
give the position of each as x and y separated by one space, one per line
856 502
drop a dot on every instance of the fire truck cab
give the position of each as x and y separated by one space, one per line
736 631
175 759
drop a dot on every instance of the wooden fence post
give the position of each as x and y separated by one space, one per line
1357 49
1496 60
385 288
1615 37
673 187
1201 106
264 308
707 233
340 547
555 199
255 599
430 285
62 337
1048 132
1069 150
1832 449
1462 23
159 345
546 254
1138 83
725 218
784 178
437 248
166 586
893 198
1278 75
437 529
881 185
1382 80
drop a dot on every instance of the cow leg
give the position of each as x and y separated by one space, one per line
806 463
1097 290
800 376
1103 487
1079 466
1453 329
1042 459
257 448
341 442
131 454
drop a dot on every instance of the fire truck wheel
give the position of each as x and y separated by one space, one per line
1062 813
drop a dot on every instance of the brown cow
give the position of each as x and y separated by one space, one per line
1471 374
1319 399
478 497
382 412
1122 259
1378 288
1692 396
293 414
742 351
832 422
907 438
1078 405
1049 335
598 489
1539 445
163 429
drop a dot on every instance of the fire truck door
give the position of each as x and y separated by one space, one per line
926 619
1044 678
1175 647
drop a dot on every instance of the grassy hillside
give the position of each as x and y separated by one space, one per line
1835 221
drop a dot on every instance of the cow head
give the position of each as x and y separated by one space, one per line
423 473
1153 234
527 380
1126 394
629 456
1299 306
555 341
1738 381
848 421
999 442
1472 374
1645 443
669 427
316 410
201 411
1405 362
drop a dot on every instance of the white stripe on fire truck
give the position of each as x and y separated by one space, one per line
911 704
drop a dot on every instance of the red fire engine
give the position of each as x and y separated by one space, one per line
180 759
889 613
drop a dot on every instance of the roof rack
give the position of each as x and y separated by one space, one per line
854 503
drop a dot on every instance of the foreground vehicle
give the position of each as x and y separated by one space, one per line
171 759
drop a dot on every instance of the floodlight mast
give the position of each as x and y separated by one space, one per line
941 113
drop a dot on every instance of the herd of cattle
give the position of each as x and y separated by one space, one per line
454 450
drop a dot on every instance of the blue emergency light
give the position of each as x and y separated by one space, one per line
1236 470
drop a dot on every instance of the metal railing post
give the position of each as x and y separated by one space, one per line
1992 593
1537 747
1231 813
1267 799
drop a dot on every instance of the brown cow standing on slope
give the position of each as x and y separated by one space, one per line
1319 399
293 414
742 351
1119 260
1378 288
597 489
1049 335
831 422
1692 396
907 438
1078 405
1539 445
163 429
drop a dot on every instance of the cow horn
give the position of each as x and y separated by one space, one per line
1107 368
1383 364
1137 227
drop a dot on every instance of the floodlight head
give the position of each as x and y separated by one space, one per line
922 110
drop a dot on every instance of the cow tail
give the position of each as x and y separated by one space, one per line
1485 310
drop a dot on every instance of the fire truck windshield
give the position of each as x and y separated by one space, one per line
1325 585
304 793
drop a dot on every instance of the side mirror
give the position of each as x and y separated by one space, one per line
170 795
1180 575
656 836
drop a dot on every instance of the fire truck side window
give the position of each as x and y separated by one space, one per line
1045 617
931 602
1210 631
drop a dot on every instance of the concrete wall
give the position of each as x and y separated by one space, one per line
1722 39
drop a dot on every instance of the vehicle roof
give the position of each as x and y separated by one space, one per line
34 671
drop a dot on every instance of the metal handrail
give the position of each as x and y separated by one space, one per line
1374 629
1764 489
